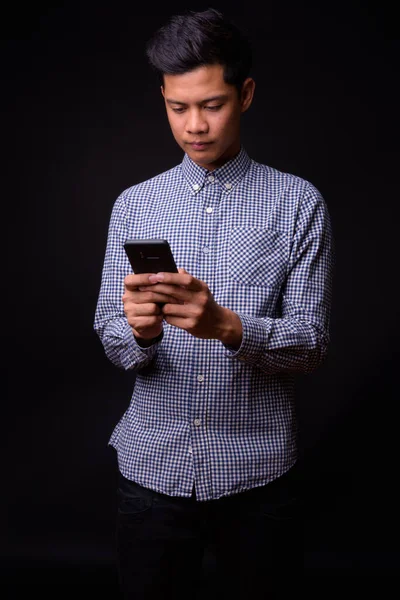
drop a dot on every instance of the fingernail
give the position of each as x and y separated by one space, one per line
157 277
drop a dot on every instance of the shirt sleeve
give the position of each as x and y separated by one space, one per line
110 322
298 340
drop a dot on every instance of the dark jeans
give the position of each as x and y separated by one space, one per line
256 536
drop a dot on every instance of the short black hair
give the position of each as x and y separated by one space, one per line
194 39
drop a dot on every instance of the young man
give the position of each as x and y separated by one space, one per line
207 448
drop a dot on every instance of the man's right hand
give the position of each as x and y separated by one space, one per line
142 309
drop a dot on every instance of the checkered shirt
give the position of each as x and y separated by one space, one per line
201 412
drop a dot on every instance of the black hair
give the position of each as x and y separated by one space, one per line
193 39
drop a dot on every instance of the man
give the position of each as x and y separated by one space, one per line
207 448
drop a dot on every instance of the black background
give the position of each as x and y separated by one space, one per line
84 120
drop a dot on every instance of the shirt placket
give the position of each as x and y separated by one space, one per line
209 198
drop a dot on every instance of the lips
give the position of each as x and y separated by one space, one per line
199 145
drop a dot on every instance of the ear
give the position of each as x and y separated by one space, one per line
247 94
162 91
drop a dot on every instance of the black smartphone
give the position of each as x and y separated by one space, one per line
150 256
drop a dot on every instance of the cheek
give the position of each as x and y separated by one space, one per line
175 129
173 122
227 127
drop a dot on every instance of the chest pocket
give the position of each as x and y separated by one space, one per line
258 256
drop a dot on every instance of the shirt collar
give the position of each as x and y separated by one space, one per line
227 176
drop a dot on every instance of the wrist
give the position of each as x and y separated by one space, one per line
231 330
147 342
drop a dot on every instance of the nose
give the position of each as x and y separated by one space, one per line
196 123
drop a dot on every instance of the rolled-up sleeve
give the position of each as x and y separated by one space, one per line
298 339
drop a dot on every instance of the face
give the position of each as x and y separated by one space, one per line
204 114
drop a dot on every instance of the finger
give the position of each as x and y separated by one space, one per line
133 281
141 310
176 294
146 327
175 310
182 279
145 297
171 291
178 321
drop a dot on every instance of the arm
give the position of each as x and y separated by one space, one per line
116 334
298 339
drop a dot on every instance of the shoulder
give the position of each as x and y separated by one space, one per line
290 193
282 182
160 182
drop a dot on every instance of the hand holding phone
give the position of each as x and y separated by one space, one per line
148 256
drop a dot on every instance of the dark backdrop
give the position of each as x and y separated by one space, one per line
84 120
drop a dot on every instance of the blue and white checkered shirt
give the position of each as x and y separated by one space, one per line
202 413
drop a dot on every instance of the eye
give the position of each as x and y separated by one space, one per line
178 109
213 107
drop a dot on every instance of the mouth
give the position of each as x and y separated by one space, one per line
199 145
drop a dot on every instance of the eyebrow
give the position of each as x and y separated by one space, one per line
212 99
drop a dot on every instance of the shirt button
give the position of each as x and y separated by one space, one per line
190 450
209 209
228 186
197 422
206 250
211 178
200 378
196 187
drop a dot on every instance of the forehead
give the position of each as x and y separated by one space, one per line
197 85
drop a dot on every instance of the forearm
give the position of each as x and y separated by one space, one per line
280 345
295 338
110 323
230 330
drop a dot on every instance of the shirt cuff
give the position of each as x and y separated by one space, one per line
134 354
255 336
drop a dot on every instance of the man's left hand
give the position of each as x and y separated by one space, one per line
196 311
